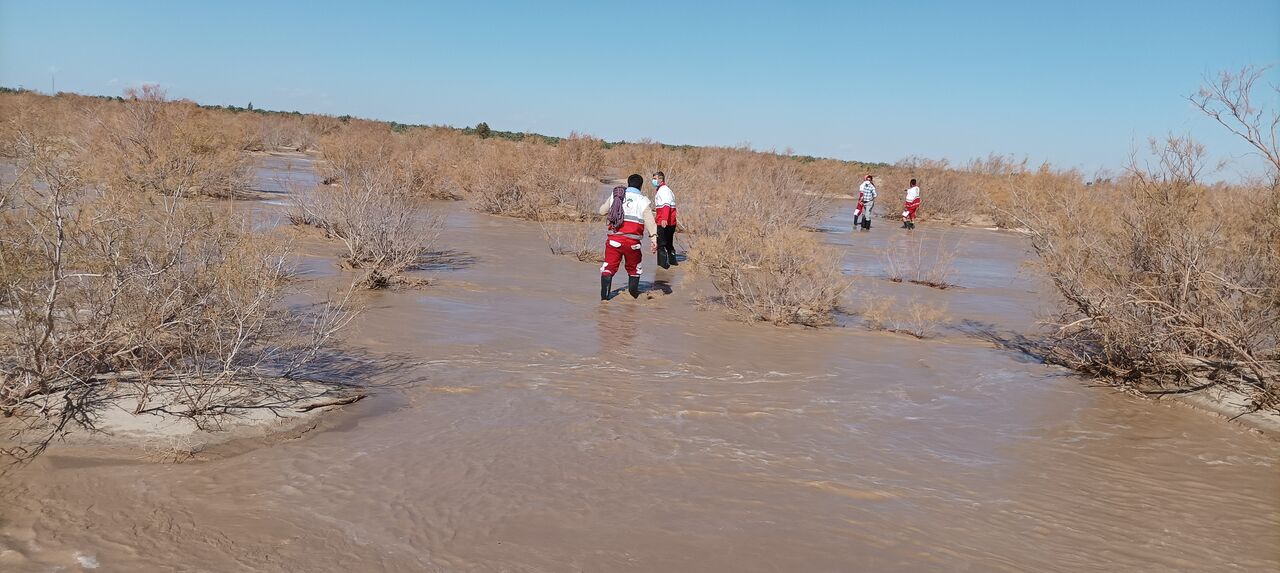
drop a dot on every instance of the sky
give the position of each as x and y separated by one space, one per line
1079 84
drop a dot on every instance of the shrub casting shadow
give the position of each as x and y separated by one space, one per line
446 260
1029 350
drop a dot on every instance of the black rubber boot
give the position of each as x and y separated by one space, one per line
633 286
663 255
671 247
606 285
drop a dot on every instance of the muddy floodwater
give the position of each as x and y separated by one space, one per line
517 424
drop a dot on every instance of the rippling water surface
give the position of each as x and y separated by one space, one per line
519 425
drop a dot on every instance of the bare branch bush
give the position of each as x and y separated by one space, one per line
418 163
778 275
876 311
921 319
582 241
924 261
1229 100
916 317
534 180
170 148
1168 284
725 186
386 230
276 132
127 292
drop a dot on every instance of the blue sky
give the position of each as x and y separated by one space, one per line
1079 84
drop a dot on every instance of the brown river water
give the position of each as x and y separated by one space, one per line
517 424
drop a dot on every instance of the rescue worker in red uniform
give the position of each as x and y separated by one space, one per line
666 219
910 206
630 219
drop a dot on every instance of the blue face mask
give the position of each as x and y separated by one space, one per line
656 183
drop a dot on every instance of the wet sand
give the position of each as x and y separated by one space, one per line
519 425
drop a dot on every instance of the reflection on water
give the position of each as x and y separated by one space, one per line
616 329
544 431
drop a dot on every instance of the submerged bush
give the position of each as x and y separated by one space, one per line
915 259
373 209
582 241
783 276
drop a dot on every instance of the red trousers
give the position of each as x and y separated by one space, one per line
909 210
617 249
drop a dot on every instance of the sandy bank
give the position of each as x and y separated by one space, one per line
1234 406
161 436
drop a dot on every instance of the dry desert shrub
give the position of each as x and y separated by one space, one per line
1167 285
536 181
1174 284
507 178
416 165
115 290
646 157
582 241
924 261
727 186
386 229
152 145
915 317
877 311
780 275
280 132
921 319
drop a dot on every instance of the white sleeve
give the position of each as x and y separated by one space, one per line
664 196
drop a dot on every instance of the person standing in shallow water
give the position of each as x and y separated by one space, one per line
910 206
666 219
866 202
630 220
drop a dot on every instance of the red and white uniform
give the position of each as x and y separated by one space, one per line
623 243
665 201
912 203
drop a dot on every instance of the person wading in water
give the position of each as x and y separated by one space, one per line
666 218
910 206
630 219
866 202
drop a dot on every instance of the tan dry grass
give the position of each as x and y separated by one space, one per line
114 277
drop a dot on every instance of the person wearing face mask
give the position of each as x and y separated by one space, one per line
665 216
630 219
866 202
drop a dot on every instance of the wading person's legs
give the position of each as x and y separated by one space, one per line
612 258
671 244
664 257
633 256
